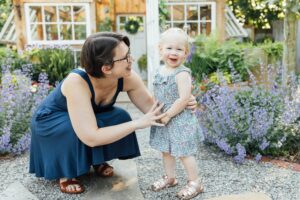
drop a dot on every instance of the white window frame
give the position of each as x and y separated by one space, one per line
60 42
199 21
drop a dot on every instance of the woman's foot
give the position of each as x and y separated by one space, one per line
192 189
163 183
104 170
70 186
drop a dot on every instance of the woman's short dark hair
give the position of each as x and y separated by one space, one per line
98 50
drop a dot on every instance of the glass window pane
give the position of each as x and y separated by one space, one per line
205 28
80 32
193 29
140 20
64 13
35 14
122 19
36 32
192 12
141 29
122 27
179 25
66 32
168 17
79 14
51 32
178 12
50 13
205 12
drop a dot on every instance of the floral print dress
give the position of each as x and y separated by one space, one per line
181 136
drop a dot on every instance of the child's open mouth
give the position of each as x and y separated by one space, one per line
173 59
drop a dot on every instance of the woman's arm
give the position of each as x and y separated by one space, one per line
184 85
138 92
84 121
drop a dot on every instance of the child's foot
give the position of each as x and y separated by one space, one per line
163 183
192 189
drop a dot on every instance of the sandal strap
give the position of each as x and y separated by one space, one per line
68 182
164 182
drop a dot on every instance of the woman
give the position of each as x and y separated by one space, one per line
77 125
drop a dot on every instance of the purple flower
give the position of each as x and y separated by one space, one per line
258 157
241 154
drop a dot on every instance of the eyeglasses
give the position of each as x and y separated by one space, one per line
127 57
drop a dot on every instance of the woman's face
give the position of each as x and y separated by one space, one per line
122 61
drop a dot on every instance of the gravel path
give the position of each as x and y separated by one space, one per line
219 174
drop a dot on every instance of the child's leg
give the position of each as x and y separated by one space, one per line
169 164
190 166
194 186
168 180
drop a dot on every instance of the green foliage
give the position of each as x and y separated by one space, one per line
208 55
258 13
132 26
5 9
105 25
9 56
163 14
56 62
142 63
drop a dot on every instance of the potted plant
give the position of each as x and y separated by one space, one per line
142 63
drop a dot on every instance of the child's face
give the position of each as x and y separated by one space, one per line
173 50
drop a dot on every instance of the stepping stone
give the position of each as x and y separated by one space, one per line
123 185
245 196
16 191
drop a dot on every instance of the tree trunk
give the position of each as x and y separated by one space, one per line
289 48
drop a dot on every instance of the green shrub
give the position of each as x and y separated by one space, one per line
56 62
142 63
209 55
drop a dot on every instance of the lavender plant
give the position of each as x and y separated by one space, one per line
255 119
17 103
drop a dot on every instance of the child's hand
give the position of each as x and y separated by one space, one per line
165 119
202 108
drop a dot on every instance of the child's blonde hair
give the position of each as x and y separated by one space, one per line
175 30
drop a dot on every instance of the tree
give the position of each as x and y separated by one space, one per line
258 13
5 9
292 14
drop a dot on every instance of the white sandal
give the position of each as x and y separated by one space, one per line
163 183
192 189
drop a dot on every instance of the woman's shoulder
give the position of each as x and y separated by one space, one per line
74 82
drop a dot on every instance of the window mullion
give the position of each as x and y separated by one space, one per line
44 24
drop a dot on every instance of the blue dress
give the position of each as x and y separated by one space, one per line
182 135
57 152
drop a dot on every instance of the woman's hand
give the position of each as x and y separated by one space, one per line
165 120
192 104
151 118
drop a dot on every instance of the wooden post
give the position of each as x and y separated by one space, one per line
298 47
112 12
18 7
152 39
221 19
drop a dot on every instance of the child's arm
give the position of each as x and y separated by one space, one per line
184 84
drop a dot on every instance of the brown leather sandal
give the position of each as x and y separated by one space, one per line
104 170
63 186
163 183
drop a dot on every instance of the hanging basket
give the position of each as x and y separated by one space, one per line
132 26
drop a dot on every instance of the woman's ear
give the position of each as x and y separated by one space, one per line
106 69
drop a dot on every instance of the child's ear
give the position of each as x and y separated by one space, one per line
106 69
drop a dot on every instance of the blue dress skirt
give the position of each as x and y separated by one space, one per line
57 152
